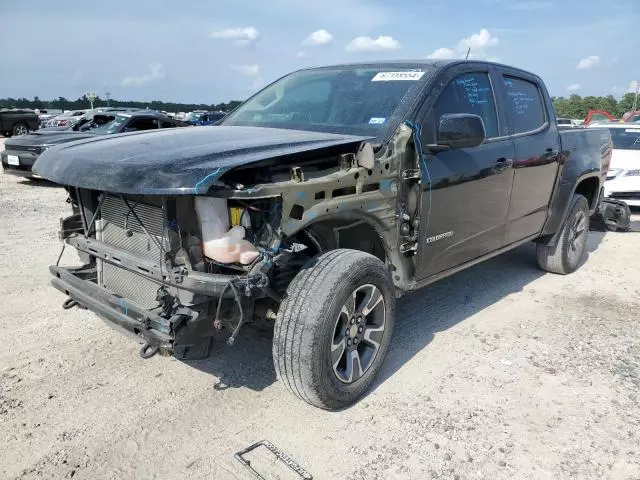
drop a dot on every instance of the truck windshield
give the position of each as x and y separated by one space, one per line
626 138
348 100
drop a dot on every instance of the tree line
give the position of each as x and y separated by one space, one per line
577 107
83 103
573 107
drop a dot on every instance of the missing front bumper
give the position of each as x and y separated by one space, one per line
186 335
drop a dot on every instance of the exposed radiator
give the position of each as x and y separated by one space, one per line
120 228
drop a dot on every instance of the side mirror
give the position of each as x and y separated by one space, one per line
459 130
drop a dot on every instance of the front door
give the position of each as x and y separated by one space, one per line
465 198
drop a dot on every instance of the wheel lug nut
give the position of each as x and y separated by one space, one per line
355 341
348 341
352 321
359 319
360 329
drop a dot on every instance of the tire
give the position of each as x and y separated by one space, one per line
315 323
20 129
565 257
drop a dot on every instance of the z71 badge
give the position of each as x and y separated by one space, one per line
440 236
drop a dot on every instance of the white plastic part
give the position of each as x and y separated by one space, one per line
218 242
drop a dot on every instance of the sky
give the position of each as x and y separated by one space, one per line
200 51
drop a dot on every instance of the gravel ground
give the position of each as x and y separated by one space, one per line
499 372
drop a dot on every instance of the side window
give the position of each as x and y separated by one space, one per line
167 124
143 123
470 93
524 105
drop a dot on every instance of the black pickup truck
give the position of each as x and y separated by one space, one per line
14 121
318 202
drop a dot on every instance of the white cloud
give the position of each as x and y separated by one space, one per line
589 62
319 37
156 73
383 43
441 53
251 71
574 87
242 36
247 70
301 54
478 41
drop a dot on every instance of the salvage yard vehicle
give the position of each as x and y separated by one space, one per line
316 203
21 153
15 121
623 177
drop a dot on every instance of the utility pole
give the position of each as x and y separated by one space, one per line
91 97
108 95
635 100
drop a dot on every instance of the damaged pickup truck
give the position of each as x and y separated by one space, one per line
317 203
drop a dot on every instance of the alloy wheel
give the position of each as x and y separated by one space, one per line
358 333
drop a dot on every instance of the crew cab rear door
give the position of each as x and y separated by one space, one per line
534 132
465 192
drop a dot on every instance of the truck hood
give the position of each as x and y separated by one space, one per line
179 161
52 137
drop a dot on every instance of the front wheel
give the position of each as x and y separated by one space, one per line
565 256
333 328
20 129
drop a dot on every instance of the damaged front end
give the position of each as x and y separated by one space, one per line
179 265
145 268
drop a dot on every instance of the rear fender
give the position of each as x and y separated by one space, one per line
566 191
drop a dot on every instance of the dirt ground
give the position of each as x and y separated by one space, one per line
500 372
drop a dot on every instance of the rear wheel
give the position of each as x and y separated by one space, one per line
333 328
20 129
566 255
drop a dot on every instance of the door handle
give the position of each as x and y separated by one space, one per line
502 164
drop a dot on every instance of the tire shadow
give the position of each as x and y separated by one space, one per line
248 363
438 307
419 316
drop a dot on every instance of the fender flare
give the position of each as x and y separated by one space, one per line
553 240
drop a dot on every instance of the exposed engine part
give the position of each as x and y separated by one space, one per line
405 229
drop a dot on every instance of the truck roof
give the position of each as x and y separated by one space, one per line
432 63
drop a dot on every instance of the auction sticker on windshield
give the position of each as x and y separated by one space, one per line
13 160
392 76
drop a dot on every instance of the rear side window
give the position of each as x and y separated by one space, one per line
524 105
143 123
470 93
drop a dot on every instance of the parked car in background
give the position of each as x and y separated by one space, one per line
45 115
65 118
568 123
17 121
86 121
632 117
201 118
21 153
317 203
623 177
